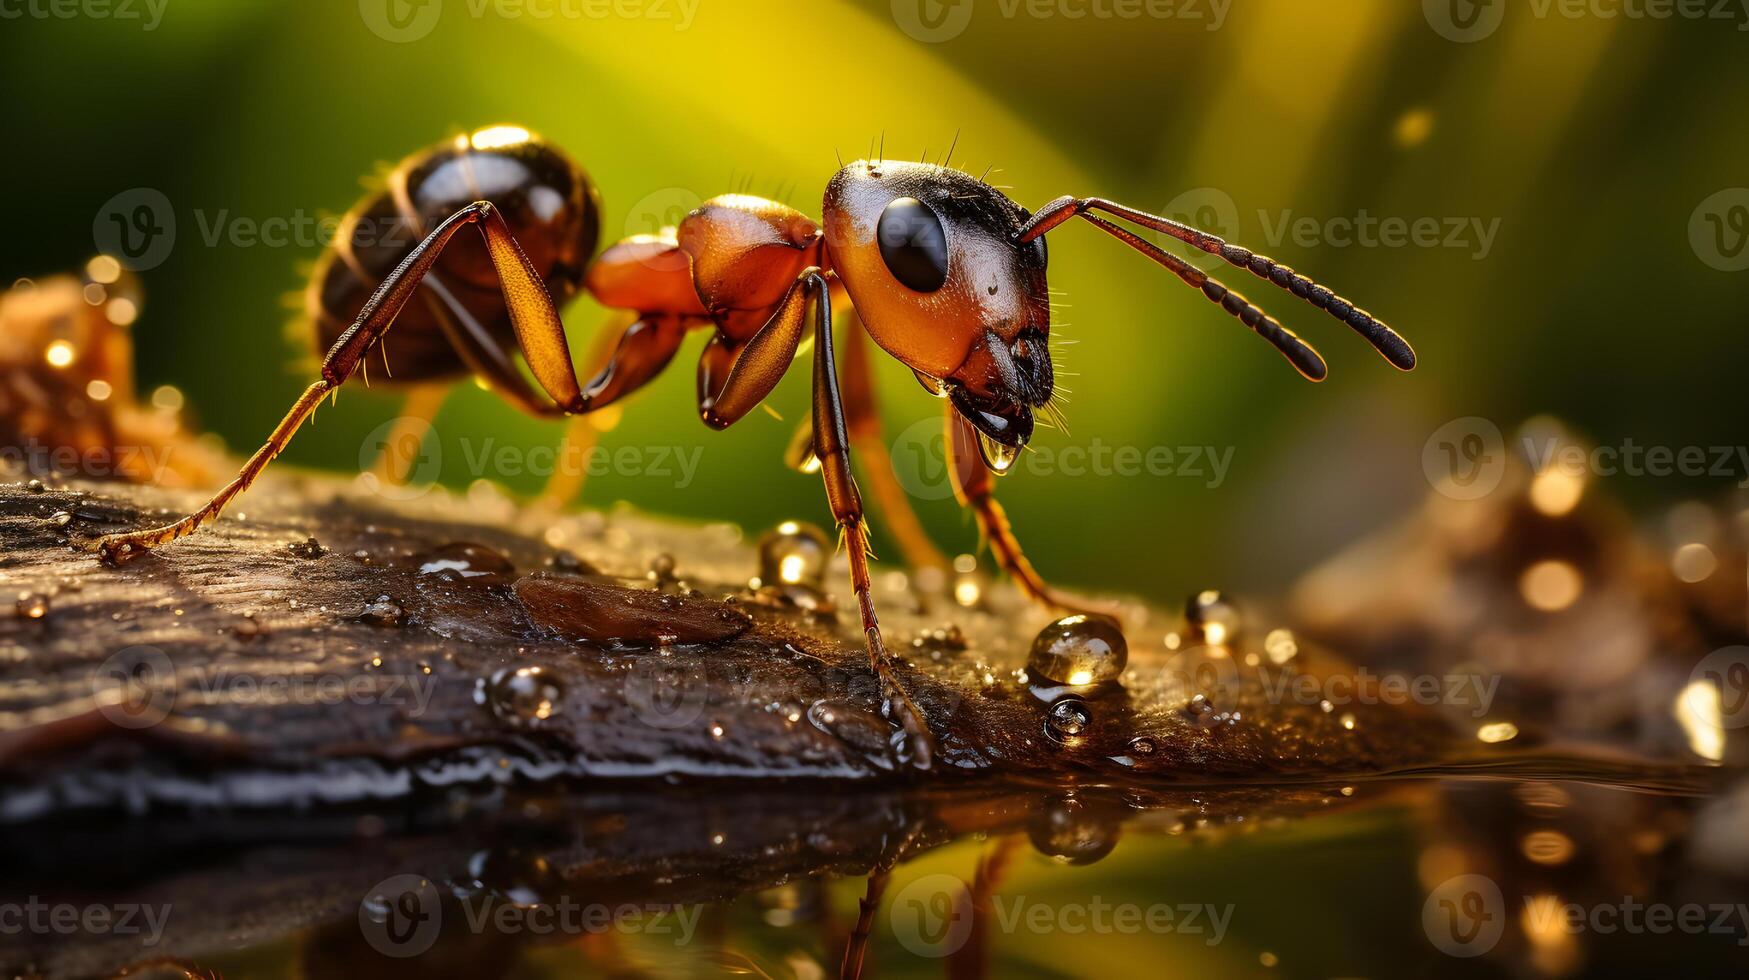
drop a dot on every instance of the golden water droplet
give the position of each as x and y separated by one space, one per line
999 458
1079 650
99 390
794 554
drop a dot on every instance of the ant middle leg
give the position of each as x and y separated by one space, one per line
536 323
974 487
735 377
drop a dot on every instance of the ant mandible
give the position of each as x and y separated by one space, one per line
945 273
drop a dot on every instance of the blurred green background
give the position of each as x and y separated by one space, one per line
1586 143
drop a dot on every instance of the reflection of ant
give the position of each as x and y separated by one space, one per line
945 272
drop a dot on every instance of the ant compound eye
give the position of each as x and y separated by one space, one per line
913 245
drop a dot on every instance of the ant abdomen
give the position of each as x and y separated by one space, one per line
549 203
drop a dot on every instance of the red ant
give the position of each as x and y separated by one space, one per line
945 272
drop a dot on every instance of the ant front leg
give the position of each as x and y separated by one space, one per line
862 416
831 445
974 487
533 318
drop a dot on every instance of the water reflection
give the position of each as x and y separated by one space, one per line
1548 876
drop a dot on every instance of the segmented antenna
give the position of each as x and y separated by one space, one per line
1383 339
1300 354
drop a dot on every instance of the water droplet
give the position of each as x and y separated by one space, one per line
33 605
795 553
462 560
60 518
522 696
383 611
935 386
662 569
1143 746
1212 617
864 731
1079 650
1074 831
35 486
1068 719
1198 706
998 457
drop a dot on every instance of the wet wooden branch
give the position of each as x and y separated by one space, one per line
324 645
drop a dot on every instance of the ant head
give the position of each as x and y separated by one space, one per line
930 258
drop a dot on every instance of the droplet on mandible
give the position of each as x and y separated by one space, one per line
1079 650
1212 617
794 554
998 457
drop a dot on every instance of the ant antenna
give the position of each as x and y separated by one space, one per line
1300 354
1386 341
